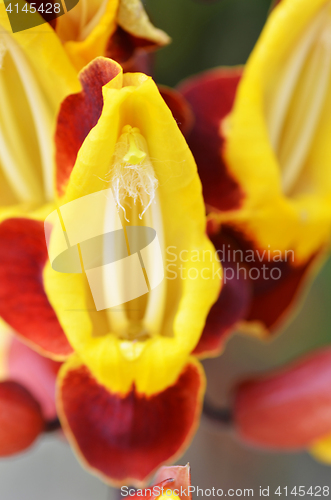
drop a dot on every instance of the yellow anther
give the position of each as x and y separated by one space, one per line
134 155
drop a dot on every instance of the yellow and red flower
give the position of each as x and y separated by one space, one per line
35 77
261 144
130 392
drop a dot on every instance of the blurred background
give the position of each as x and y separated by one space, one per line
205 34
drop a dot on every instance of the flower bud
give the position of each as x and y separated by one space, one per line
289 409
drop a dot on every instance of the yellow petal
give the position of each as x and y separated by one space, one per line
132 18
94 23
35 76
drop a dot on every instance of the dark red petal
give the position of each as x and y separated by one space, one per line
127 438
36 373
288 409
122 45
141 62
79 113
21 420
232 304
229 309
211 97
180 108
274 286
130 51
23 301
181 479
274 299
277 289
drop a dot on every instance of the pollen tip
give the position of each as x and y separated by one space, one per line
134 157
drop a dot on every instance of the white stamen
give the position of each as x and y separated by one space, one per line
132 173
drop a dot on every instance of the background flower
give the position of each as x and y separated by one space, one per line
27 394
288 410
32 89
119 29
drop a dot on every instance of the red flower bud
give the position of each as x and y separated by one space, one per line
21 419
289 409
